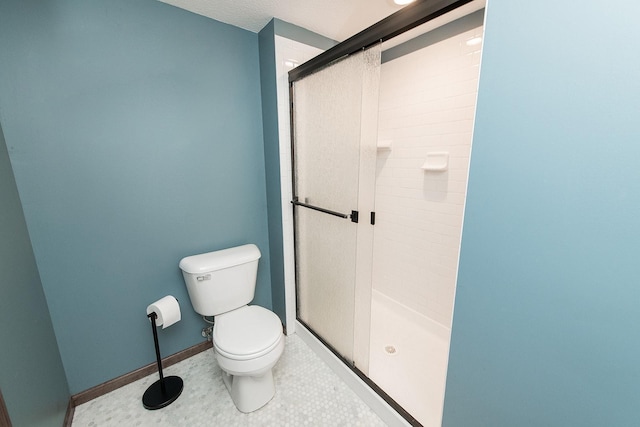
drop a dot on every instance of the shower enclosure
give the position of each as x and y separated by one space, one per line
380 149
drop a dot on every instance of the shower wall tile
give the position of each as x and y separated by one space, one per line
427 104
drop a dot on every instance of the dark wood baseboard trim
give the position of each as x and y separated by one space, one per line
106 387
68 418
5 421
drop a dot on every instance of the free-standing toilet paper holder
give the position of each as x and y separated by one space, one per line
166 390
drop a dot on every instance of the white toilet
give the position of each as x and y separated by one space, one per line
247 339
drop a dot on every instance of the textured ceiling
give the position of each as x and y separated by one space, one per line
336 19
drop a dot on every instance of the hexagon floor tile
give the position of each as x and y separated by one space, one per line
308 393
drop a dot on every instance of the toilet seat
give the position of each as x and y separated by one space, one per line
246 333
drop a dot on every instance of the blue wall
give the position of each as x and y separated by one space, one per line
301 35
266 40
135 134
30 366
546 328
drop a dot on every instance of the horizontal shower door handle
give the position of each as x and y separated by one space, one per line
319 209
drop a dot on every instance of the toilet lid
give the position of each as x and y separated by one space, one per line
247 332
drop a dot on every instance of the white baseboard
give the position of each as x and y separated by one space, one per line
355 383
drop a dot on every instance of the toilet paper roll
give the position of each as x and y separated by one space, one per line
167 309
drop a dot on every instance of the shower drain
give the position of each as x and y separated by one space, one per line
391 350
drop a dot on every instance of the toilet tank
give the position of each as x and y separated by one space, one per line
221 281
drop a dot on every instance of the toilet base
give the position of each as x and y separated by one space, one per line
250 393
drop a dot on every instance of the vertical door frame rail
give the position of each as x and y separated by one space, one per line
407 18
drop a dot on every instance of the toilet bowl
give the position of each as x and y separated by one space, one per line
247 343
247 339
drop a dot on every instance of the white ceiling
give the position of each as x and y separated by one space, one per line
336 19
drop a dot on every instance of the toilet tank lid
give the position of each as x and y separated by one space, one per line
219 260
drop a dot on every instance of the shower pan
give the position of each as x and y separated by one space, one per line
381 138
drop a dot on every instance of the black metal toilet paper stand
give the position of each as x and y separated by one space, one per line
164 391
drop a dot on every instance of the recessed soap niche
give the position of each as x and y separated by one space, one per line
384 144
436 161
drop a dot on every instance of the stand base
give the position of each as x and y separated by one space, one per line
154 398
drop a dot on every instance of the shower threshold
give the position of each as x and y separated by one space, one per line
382 404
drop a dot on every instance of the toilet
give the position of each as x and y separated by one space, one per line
247 339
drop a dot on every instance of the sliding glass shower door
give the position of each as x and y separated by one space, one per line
386 304
333 147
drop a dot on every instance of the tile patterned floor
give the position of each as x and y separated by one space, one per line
308 393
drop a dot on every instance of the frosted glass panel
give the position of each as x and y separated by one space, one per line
327 135
327 128
326 250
